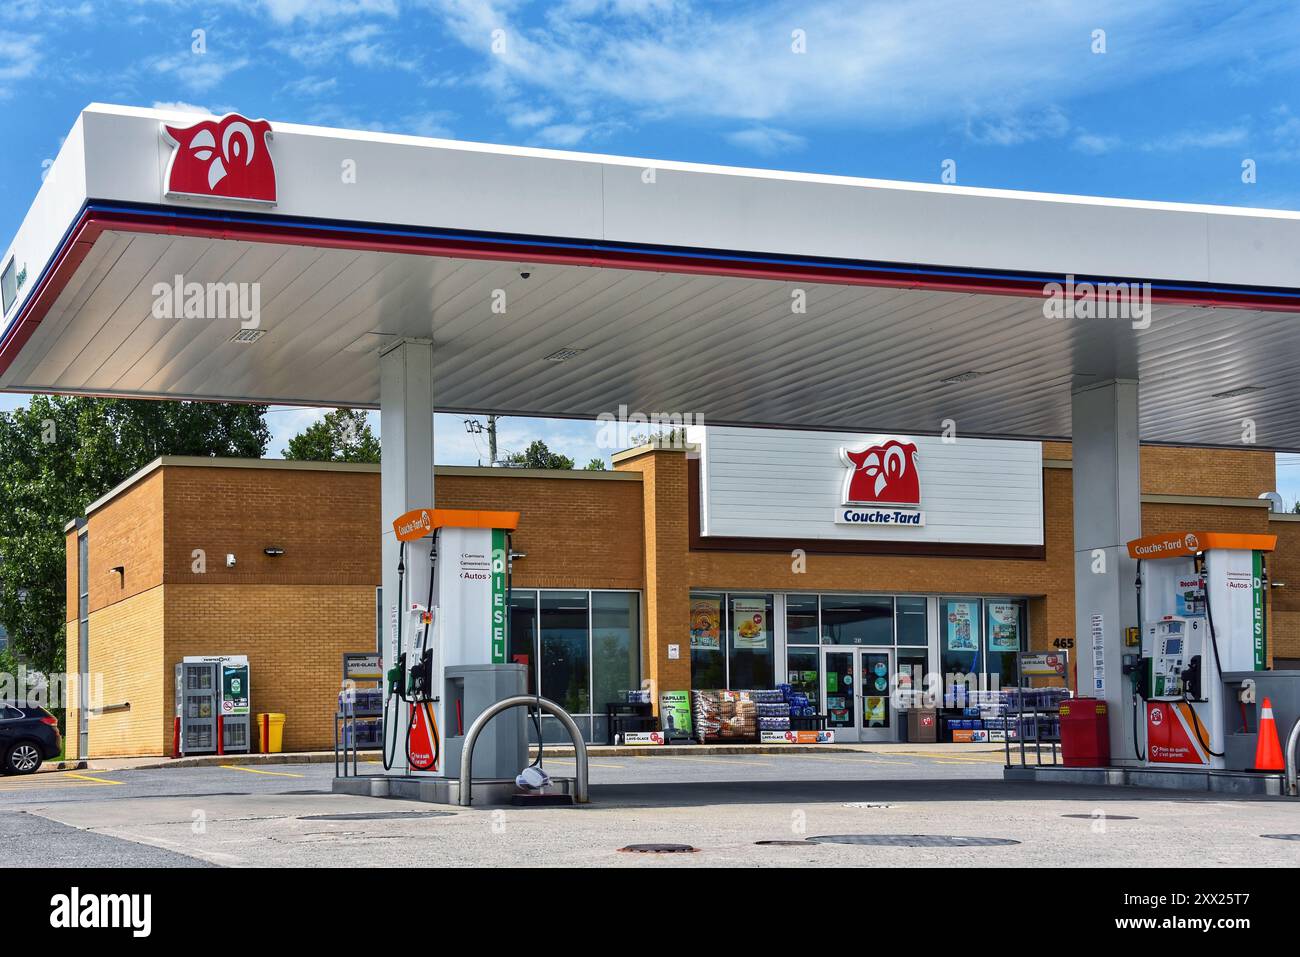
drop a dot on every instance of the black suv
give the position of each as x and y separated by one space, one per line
28 736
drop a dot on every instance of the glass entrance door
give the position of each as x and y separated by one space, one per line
840 677
856 692
874 707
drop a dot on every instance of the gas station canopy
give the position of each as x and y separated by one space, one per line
568 284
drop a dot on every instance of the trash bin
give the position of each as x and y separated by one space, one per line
922 726
270 725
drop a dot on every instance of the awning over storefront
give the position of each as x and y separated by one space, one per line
568 284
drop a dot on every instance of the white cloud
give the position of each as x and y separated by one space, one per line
563 134
199 71
433 123
1094 143
523 117
180 106
1197 139
767 140
311 86
1048 124
287 11
869 60
20 55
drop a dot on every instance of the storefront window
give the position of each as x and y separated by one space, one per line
1003 636
801 619
751 642
804 674
615 645
708 662
857 620
566 659
523 632
959 635
911 621
912 667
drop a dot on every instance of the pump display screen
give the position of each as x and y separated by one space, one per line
1173 646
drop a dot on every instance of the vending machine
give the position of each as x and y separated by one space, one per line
212 705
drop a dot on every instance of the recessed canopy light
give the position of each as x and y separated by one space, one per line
961 377
1233 393
248 335
563 354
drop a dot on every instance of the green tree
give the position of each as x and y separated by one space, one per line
538 456
61 453
595 465
342 435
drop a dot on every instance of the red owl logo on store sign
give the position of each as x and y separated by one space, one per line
229 158
885 474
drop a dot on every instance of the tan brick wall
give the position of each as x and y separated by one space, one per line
1284 570
71 648
294 637
70 579
326 522
576 532
127 532
1178 470
126 642
666 530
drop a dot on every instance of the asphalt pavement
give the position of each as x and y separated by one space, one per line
722 805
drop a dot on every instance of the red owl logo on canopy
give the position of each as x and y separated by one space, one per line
229 158
886 474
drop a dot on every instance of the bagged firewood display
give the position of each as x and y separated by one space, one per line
706 715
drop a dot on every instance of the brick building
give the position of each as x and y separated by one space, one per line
628 578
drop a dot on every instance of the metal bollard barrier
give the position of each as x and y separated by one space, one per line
523 701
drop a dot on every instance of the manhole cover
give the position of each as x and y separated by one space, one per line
912 840
376 816
1282 837
658 849
867 804
783 843
1102 817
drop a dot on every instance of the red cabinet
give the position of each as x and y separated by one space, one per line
1085 733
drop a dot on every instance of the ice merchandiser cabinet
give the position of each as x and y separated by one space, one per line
212 705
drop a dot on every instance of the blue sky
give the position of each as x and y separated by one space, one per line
1013 92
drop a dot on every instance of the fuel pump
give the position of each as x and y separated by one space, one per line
448 658
1201 601
413 687
422 741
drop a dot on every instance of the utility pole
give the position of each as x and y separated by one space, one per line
492 441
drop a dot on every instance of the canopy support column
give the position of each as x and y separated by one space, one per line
1107 515
406 482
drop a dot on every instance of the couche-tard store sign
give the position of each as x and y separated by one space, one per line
882 486
778 487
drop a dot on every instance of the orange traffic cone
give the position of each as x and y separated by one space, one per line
1268 747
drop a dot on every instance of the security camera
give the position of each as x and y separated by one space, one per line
230 561
524 274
